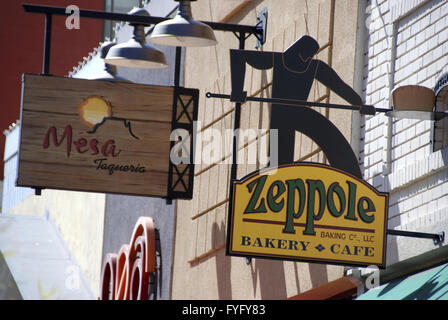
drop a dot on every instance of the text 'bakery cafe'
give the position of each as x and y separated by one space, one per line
308 212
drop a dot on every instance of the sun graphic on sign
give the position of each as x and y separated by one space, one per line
93 110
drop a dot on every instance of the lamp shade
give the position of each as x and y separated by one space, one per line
136 53
183 30
109 73
413 97
413 102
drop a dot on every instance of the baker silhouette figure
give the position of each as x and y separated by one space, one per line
294 71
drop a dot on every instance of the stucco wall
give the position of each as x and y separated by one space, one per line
79 217
201 268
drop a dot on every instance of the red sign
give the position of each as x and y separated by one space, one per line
126 275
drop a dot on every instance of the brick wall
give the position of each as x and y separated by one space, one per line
407 44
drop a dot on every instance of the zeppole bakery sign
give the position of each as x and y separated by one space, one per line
102 136
304 211
308 212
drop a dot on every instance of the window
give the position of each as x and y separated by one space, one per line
440 130
118 6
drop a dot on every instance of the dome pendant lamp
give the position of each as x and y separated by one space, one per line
183 30
136 53
109 73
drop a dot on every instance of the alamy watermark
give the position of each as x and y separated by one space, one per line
73 20
73 280
368 277
255 146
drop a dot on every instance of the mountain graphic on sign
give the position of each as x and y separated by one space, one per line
95 112
126 123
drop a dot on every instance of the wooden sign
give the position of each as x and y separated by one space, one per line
308 212
100 136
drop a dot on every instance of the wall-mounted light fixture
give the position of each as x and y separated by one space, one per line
136 53
418 102
412 102
183 30
242 32
139 20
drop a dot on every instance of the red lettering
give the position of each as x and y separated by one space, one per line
126 275
94 146
80 143
109 148
67 133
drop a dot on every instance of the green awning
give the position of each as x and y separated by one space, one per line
431 284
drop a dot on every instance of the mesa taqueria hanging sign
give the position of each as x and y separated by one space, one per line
103 136
308 212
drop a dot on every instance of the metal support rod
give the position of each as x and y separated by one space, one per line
236 125
177 66
169 201
368 109
93 14
436 237
47 44
46 62
236 122
49 11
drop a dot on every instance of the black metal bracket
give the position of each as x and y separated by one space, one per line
259 30
438 238
185 113
47 46
262 25
155 278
